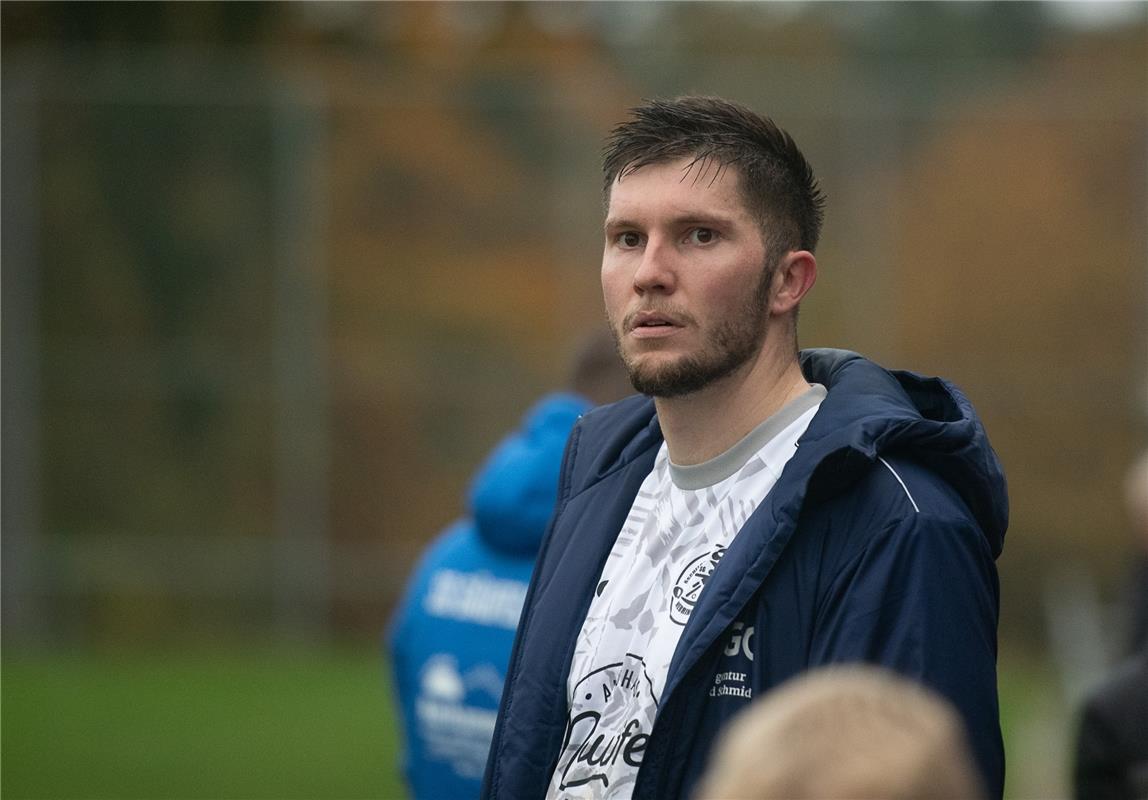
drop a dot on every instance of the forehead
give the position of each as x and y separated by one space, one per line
683 186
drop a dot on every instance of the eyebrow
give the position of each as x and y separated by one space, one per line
704 219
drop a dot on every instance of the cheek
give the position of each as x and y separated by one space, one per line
739 287
615 287
726 295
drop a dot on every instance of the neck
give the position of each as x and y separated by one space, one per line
706 423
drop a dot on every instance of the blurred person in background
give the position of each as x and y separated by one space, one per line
844 732
1136 501
1112 737
451 635
760 511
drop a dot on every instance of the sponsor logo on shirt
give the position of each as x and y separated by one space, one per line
688 587
602 731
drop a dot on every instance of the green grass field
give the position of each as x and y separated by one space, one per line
265 725
280 725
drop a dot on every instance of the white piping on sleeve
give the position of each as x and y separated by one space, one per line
903 486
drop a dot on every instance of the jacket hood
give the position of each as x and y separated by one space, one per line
513 494
871 411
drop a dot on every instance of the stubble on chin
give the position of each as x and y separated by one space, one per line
677 377
727 349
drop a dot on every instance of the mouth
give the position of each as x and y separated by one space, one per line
650 324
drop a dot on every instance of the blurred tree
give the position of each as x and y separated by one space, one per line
1021 250
985 166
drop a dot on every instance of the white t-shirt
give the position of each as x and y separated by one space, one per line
679 526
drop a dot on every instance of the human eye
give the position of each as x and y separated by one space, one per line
702 236
628 239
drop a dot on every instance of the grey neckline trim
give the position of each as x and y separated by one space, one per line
720 467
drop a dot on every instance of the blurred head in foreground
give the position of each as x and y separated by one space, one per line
844 732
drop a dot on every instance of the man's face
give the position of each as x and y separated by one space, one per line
684 276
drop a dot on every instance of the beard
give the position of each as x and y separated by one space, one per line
731 344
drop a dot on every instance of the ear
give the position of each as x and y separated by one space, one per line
795 275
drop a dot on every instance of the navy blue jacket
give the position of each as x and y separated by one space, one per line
877 544
451 635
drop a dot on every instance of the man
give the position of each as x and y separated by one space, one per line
450 638
762 512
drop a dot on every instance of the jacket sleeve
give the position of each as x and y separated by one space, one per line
921 597
492 782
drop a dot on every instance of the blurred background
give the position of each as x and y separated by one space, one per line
277 276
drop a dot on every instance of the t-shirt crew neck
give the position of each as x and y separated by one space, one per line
720 467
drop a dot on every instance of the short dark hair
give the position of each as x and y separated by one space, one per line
777 183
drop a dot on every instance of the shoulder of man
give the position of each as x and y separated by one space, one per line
869 496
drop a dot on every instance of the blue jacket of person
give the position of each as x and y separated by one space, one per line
877 544
451 636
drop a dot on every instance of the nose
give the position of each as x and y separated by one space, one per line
656 271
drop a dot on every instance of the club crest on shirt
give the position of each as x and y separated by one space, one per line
688 587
